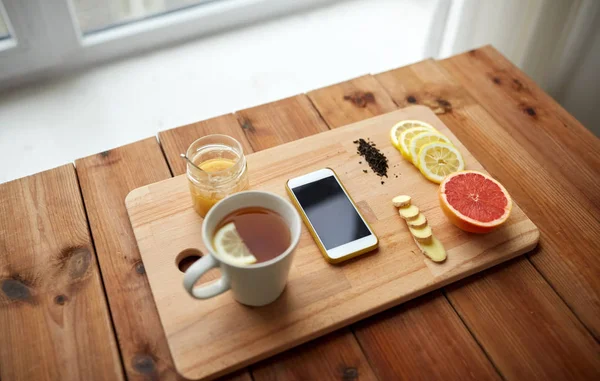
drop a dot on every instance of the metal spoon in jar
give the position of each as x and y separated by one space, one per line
184 156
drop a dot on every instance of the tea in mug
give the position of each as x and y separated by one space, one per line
252 235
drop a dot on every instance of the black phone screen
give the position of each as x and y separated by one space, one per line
330 212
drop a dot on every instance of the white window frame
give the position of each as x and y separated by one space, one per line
46 39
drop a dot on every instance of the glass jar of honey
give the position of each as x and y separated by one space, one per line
219 170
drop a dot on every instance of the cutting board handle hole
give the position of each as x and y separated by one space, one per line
186 258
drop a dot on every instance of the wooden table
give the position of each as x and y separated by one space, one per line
75 302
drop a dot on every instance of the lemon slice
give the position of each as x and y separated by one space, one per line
405 138
420 140
438 160
404 125
229 245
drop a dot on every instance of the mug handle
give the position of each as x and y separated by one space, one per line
195 272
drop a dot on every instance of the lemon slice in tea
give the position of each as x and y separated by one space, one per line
229 245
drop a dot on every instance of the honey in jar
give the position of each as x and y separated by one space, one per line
221 170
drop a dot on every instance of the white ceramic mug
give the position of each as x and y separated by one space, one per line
254 285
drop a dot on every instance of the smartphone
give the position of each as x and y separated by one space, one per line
331 216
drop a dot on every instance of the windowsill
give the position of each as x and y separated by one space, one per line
55 122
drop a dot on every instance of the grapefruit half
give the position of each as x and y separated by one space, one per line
474 202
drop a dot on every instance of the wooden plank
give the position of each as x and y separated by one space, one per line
279 122
568 154
242 375
403 330
336 357
54 320
351 101
319 297
267 126
106 178
423 340
501 290
526 329
177 140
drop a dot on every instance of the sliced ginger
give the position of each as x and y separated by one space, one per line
418 222
401 201
423 234
430 246
409 212
434 250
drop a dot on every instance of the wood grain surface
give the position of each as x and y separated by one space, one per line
515 356
280 122
533 118
423 339
319 297
54 319
105 180
399 332
351 101
563 170
526 329
333 357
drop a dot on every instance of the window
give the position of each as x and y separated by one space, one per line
94 15
3 29
47 37
6 40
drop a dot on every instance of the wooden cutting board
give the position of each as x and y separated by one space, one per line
212 337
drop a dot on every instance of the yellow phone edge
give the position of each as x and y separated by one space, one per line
313 233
